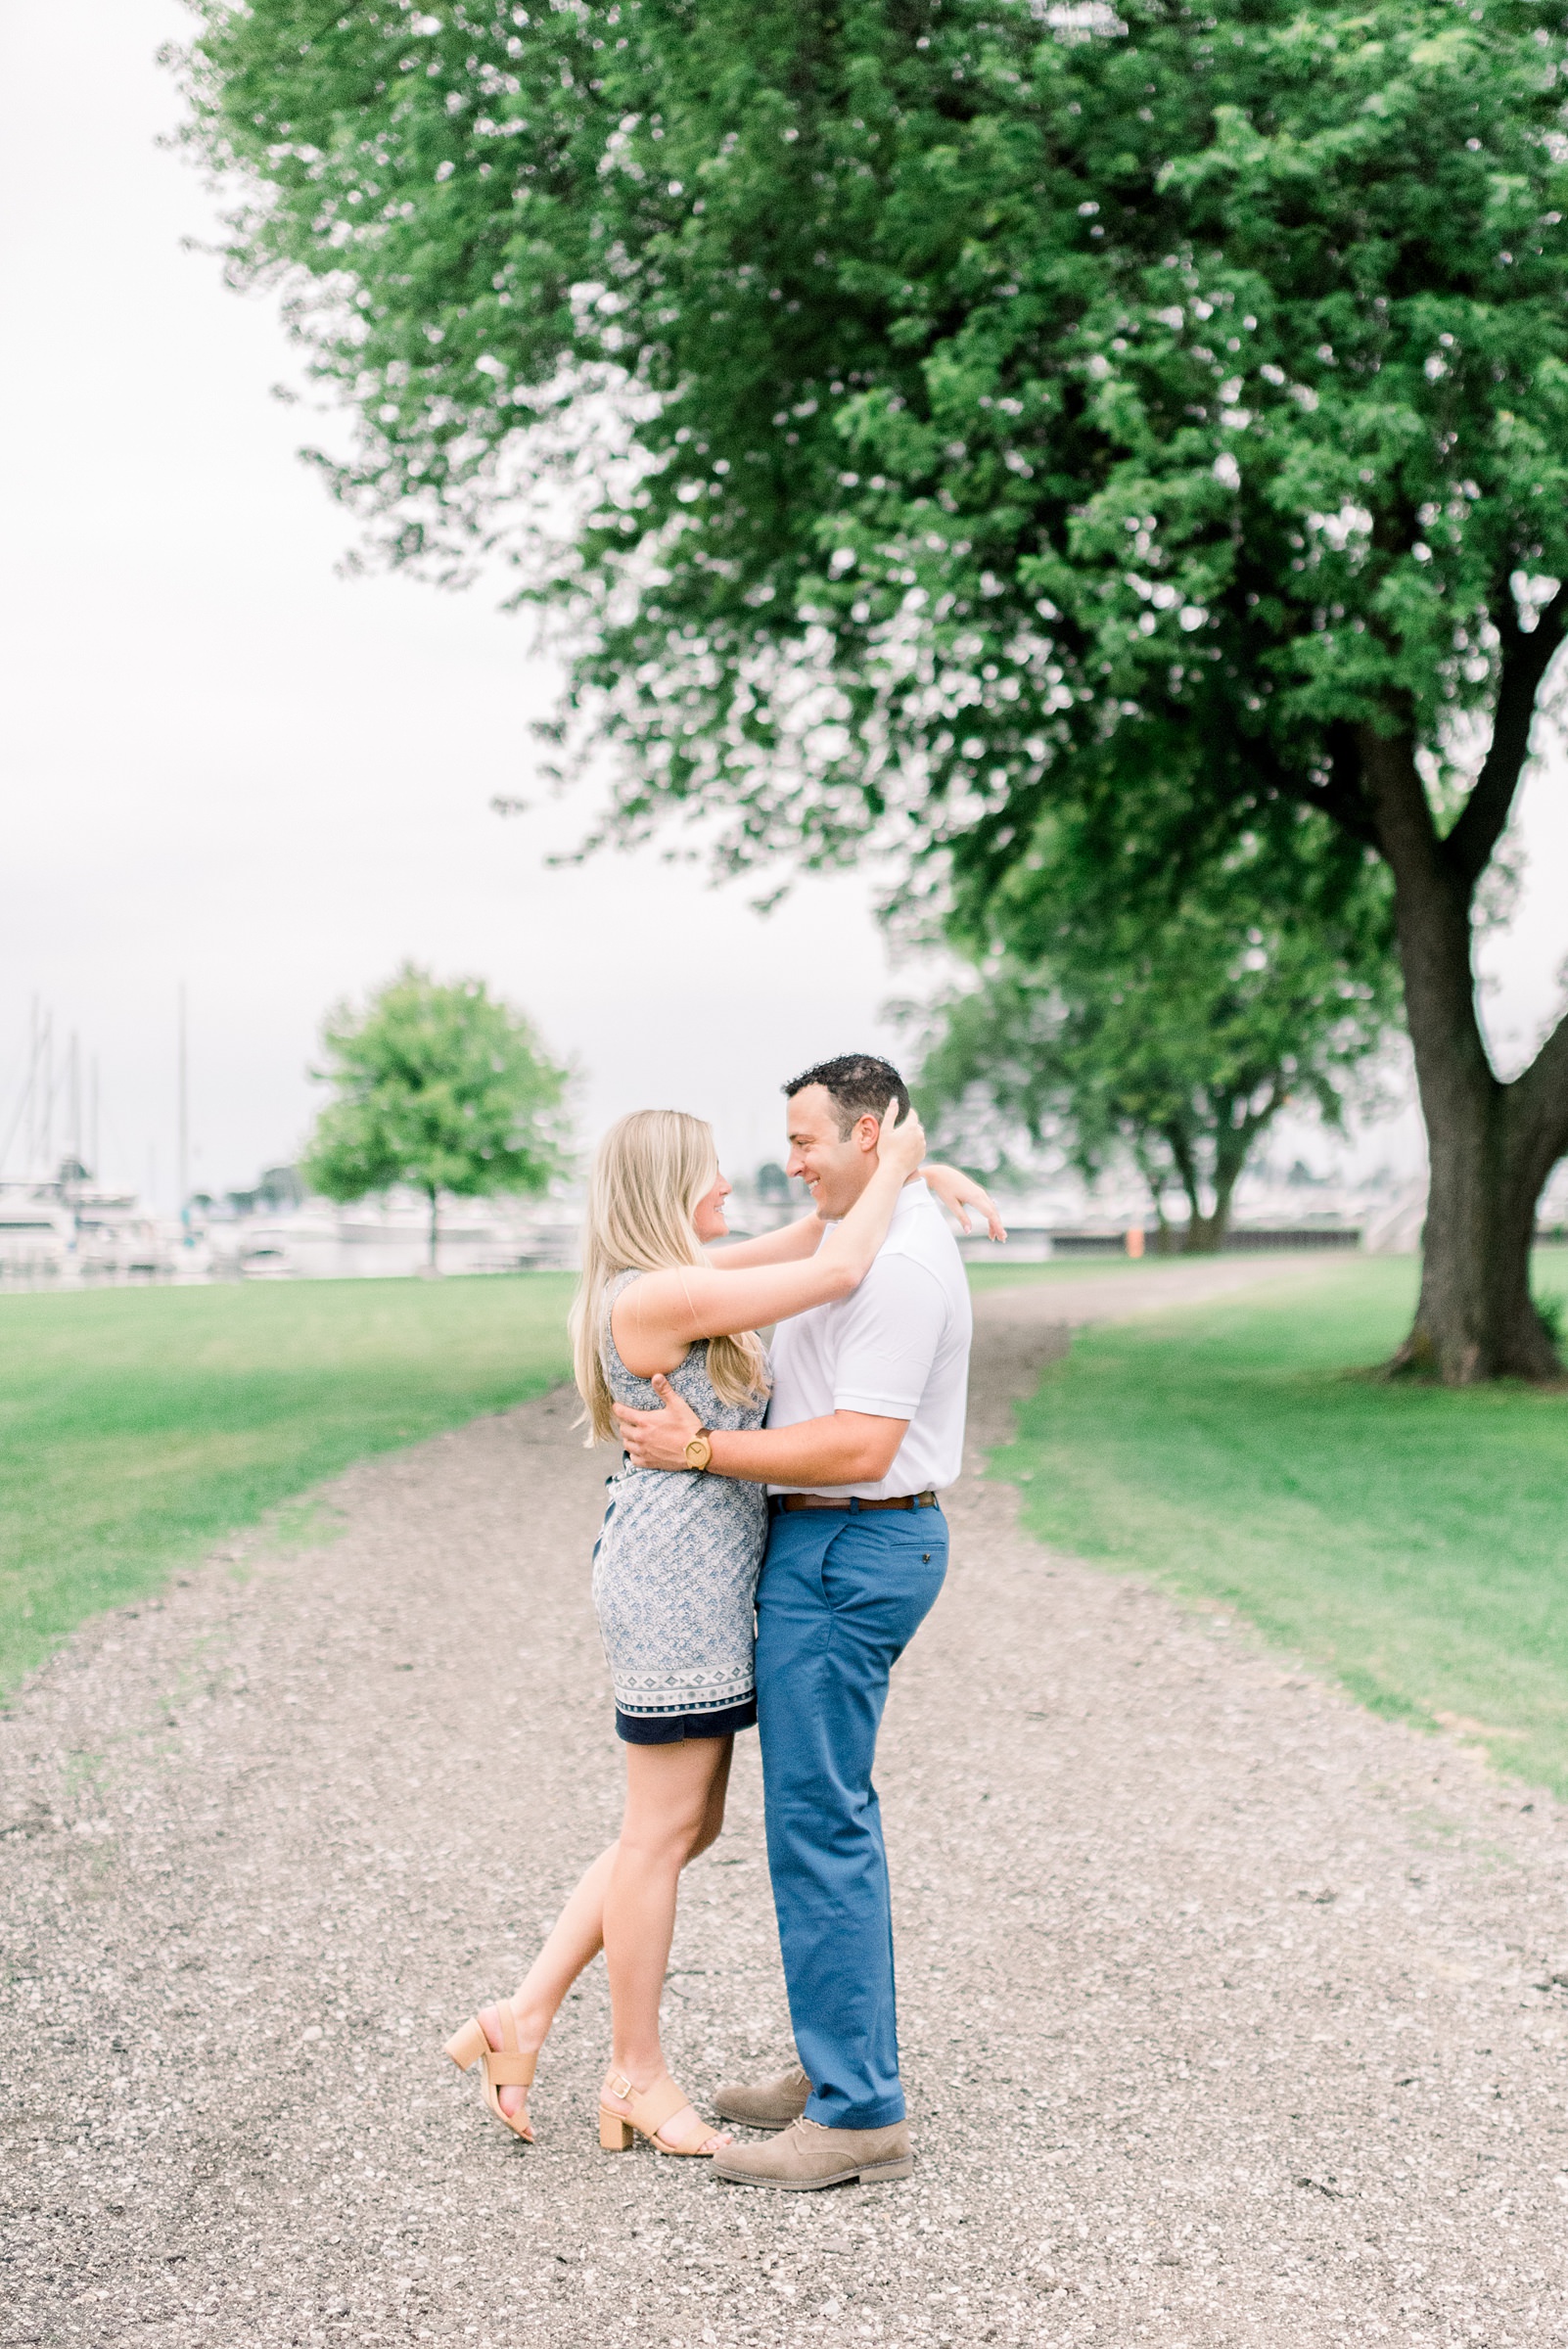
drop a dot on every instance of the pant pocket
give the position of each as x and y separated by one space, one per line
889 1582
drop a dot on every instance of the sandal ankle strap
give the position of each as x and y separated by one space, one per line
650 2106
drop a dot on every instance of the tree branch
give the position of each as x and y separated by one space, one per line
1342 798
1187 1169
1537 1101
1350 816
1402 813
1255 1119
1526 658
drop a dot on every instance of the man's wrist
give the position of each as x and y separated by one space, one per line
699 1453
727 1448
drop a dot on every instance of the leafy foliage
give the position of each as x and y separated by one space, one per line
958 417
1173 1038
440 1087
993 401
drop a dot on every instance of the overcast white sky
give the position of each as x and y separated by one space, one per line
221 763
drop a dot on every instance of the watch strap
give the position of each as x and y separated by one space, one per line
703 1434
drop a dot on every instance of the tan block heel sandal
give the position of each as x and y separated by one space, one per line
650 2110
506 2066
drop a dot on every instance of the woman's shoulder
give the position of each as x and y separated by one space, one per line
616 1287
615 1360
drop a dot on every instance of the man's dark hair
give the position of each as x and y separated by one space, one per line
862 1087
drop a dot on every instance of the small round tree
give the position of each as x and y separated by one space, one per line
440 1088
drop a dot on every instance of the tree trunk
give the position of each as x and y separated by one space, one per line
435 1225
1475 1318
1206 1235
1491 1145
1195 1240
1155 1178
1206 1231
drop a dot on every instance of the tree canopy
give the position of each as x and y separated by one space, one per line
1015 384
965 409
437 1086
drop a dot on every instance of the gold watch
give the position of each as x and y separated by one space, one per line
699 1451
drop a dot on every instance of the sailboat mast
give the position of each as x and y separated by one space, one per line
30 1162
184 1151
48 1094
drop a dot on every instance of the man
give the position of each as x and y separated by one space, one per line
871 1391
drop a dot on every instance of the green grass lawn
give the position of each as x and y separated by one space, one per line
984 1274
1413 1540
137 1426
1114 1266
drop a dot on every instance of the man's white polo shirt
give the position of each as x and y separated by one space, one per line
898 1348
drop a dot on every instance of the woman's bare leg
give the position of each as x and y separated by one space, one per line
577 1937
675 1808
713 1825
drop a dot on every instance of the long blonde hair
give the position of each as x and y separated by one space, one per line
649 1173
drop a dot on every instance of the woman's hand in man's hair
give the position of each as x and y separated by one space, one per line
901 1145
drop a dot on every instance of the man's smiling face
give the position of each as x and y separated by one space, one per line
835 1168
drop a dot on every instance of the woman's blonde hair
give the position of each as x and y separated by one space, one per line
649 1173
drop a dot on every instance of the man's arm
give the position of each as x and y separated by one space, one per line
959 1193
847 1448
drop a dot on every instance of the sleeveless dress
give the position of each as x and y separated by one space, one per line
676 1568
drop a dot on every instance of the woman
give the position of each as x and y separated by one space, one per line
676 1568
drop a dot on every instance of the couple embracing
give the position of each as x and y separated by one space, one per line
772 1543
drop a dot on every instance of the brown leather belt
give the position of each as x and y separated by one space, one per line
819 1500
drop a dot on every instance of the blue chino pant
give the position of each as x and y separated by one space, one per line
842 1594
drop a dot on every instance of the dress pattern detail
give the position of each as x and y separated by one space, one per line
677 1562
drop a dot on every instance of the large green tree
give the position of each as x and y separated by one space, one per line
1174 1035
440 1087
974 410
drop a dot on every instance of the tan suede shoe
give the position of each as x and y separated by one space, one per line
764 2103
808 2156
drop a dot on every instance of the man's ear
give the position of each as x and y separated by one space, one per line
867 1132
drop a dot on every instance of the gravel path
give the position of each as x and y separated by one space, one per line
1231 2014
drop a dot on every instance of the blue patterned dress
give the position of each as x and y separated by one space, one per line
675 1570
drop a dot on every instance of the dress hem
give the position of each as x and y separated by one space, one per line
673 1729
